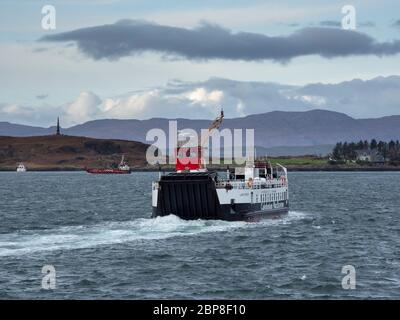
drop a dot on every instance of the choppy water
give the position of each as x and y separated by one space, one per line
97 233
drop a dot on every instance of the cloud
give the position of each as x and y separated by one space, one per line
202 100
316 101
87 106
45 115
396 23
236 16
367 24
84 108
193 101
201 96
330 23
42 96
209 41
338 23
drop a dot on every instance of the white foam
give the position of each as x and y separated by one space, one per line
291 217
79 237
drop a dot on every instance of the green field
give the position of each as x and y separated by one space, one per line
299 161
290 161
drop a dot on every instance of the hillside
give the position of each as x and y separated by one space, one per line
273 129
68 152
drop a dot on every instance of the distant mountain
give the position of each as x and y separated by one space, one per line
272 129
19 130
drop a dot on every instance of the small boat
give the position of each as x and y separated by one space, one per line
123 168
21 168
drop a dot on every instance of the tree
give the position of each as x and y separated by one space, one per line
385 150
381 146
337 151
352 155
373 144
345 151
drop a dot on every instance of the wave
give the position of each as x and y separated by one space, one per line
87 236
79 237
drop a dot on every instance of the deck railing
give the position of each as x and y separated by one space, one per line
232 184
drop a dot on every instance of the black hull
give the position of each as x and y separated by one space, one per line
193 196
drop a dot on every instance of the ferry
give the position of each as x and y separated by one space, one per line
257 190
123 168
21 168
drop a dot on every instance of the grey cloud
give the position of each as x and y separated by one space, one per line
358 98
396 23
367 24
42 96
330 23
209 41
338 24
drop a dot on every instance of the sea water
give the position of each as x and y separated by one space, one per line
97 232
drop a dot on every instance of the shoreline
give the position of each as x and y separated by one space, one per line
289 168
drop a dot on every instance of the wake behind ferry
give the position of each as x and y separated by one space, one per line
248 193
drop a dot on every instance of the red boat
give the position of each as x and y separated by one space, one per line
107 171
123 168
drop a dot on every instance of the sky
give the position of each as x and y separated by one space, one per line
182 58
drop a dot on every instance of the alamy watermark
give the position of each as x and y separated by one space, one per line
235 149
49 278
349 21
49 17
349 280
